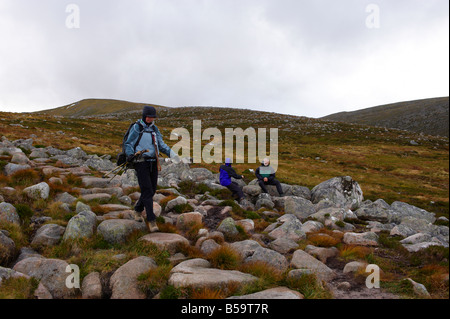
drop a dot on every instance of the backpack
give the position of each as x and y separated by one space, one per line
122 156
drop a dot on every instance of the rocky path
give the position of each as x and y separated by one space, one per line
265 228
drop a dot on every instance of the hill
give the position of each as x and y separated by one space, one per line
428 116
94 107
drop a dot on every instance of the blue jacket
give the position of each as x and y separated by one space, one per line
146 141
226 173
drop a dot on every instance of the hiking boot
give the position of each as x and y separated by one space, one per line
138 217
152 227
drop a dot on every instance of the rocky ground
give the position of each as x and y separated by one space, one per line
302 235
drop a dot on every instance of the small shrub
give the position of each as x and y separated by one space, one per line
18 288
308 286
349 252
154 280
322 240
24 211
26 177
183 208
224 257
208 293
170 292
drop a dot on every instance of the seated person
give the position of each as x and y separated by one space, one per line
266 176
226 173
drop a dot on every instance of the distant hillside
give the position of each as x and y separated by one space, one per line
429 116
95 107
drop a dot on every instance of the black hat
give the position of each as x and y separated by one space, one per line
148 111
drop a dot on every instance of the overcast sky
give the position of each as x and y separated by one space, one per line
309 58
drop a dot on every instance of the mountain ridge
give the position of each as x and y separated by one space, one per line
427 116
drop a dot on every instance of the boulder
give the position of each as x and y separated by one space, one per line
91 181
283 245
196 175
65 198
197 274
8 213
245 248
228 228
7 249
51 273
290 229
407 210
354 266
81 225
322 253
208 246
361 239
300 191
180 200
311 226
20 158
303 260
6 273
342 191
270 257
91 288
166 241
117 231
124 283
252 190
298 206
12 168
379 211
38 191
188 220
38 153
48 235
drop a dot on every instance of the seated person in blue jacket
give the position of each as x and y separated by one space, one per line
226 173
144 135
266 176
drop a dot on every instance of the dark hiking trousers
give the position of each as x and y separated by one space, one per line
263 184
236 190
147 174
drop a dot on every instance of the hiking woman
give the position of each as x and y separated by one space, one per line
145 137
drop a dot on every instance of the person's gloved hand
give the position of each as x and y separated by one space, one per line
130 158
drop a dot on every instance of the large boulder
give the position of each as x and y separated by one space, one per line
8 213
379 211
51 273
166 241
180 200
361 239
91 288
303 260
196 175
38 191
299 206
342 191
7 249
407 210
12 168
117 231
228 228
80 226
290 229
48 235
197 274
270 257
124 283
